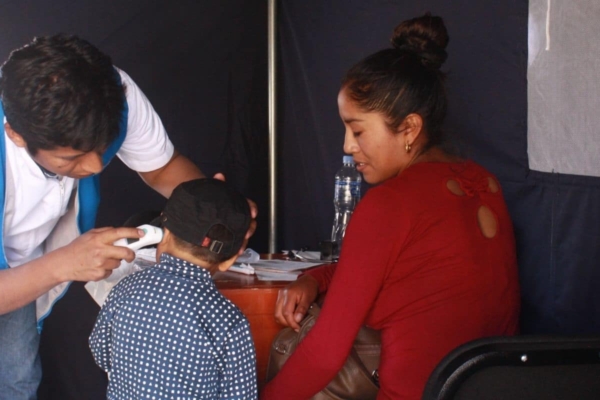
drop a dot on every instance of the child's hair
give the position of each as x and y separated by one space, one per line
208 218
62 91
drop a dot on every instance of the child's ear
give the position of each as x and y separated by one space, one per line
224 265
165 245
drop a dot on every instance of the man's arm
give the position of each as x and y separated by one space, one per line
90 257
179 169
20 286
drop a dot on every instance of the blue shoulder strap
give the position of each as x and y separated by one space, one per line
3 261
89 188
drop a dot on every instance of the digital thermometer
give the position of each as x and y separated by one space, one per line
153 235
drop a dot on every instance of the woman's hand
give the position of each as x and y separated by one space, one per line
294 300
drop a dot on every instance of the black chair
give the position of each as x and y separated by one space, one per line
518 368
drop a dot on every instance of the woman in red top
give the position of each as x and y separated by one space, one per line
429 255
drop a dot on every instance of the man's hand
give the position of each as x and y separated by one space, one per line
92 256
294 300
253 214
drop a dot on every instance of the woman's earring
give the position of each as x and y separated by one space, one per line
407 147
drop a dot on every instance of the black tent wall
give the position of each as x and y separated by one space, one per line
203 66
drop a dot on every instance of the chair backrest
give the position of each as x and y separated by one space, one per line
520 367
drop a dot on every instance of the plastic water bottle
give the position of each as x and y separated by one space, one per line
346 196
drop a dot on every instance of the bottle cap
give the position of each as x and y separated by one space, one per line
348 160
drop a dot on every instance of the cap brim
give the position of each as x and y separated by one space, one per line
156 222
145 217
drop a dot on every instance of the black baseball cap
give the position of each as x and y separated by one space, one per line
209 213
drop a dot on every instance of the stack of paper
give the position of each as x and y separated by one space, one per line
280 270
271 270
244 261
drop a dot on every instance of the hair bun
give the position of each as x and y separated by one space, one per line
425 36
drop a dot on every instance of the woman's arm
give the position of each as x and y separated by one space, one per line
374 238
323 275
294 300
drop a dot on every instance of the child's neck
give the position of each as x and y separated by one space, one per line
175 252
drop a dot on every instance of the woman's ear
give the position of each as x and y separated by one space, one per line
14 136
411 127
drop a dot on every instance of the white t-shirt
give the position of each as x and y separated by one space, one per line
34 202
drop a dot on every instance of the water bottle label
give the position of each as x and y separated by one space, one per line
355 189
353 186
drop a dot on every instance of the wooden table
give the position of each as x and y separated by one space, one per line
257 300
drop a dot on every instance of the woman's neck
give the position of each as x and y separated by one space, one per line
435 154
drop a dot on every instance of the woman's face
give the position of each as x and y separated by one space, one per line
378 152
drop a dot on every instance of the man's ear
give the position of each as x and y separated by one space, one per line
411 127
14 136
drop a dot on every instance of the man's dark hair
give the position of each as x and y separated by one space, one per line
62 91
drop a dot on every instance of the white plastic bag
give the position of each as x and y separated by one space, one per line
99 290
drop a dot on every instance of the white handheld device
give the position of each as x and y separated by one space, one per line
152 235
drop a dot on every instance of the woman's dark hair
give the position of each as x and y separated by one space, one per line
406 78
62 91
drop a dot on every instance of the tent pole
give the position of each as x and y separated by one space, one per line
272 125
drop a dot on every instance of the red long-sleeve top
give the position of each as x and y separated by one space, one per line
417 266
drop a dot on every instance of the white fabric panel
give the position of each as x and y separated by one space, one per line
564 86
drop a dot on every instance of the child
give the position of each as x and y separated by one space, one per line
166 332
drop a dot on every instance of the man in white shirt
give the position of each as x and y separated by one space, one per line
66 111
